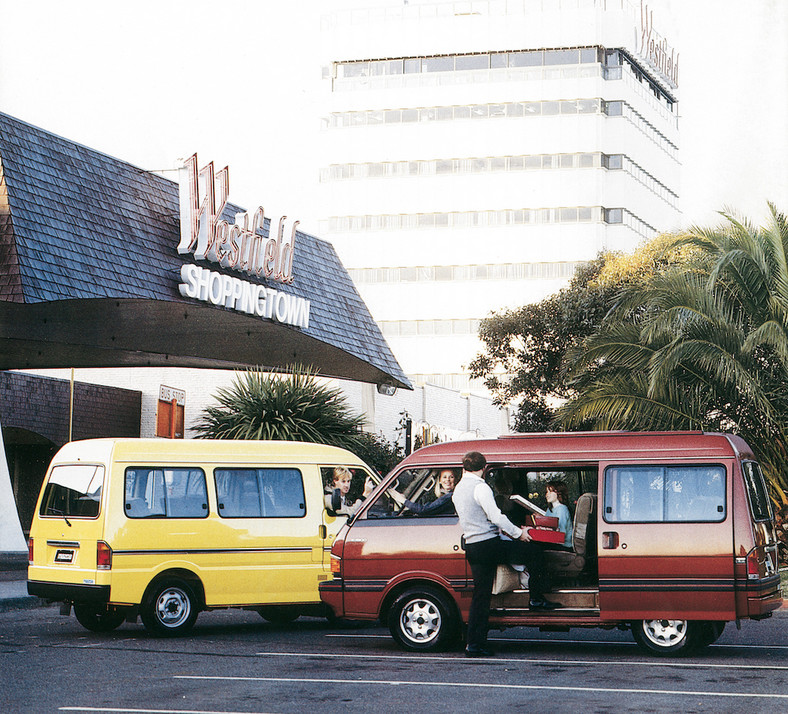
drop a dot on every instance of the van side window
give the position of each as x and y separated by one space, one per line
661 494
260 493
73 490
165 493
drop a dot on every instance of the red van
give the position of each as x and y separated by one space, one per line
673 536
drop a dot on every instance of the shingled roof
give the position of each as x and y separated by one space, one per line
90 275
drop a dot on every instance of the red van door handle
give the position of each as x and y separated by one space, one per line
609 540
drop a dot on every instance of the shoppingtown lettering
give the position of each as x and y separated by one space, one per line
240 245
241 295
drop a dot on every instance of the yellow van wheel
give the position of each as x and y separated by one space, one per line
99 618
170 607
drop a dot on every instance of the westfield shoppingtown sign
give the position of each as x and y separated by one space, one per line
239 246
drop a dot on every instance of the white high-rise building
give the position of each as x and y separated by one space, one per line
475 152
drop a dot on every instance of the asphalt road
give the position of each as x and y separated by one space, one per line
234 661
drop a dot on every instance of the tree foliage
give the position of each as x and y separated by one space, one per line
701 344
292 407
523 362
524 348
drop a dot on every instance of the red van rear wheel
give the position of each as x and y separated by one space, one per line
667 637
423 619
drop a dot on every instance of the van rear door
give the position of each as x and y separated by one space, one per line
665 541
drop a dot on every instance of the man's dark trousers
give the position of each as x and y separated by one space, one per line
484 557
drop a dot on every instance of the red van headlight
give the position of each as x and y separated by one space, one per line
103 556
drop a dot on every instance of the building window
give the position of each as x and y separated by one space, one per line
614 215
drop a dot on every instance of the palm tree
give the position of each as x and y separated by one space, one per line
700 346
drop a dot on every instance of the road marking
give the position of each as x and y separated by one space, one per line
624 643
148 711
471 685
527 660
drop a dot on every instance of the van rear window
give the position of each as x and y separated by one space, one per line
664 494
73 490
260 493
760 506
165 493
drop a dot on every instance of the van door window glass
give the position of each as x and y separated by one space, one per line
74 491
165 493
260 493
760 506
351 482
417 493
664 494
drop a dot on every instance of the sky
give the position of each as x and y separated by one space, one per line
238 82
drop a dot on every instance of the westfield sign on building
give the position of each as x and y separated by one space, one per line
239 246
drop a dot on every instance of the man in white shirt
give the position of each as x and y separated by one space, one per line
482 523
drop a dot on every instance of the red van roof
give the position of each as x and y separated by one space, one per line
591 446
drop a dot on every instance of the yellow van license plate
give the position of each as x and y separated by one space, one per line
64 556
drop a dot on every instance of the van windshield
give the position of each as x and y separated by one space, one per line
418 492
73 490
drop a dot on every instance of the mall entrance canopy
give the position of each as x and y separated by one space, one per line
95 272
91 275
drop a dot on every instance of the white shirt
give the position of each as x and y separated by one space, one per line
480 517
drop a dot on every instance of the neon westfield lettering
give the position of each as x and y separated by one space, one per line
238 246
656 48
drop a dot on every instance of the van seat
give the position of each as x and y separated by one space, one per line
582 557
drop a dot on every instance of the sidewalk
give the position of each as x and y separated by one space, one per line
13 584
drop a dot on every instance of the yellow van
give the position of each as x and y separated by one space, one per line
165 529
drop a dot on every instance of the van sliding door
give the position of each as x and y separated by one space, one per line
665 539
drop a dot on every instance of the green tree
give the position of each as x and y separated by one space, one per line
703 344
524 348
292 407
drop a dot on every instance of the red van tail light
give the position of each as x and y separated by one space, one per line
753 573
30 551
103 556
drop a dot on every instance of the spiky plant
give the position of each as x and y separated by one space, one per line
281 407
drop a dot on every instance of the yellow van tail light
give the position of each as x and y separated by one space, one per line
103 556
30 551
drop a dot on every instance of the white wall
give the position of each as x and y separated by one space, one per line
452 413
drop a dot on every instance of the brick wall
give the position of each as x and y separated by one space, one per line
41 405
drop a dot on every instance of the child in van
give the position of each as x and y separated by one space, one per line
557 495
341 480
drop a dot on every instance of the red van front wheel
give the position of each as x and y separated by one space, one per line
667 637
423 619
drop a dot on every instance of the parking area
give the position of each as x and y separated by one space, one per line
236 662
